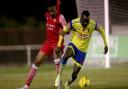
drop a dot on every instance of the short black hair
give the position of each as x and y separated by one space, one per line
86 13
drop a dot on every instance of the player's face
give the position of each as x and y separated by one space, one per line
85 20
53 11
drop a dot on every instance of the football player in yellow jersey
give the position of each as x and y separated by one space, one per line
77 48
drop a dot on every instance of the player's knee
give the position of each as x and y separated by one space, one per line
66 56
64 60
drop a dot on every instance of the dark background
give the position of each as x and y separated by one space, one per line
19 9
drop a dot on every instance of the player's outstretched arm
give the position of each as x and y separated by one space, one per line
57 50
102 32
61 37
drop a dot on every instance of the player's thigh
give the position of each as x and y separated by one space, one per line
68 52
41 56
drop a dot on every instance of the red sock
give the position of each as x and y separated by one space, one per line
31 75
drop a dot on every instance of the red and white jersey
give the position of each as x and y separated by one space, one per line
53 26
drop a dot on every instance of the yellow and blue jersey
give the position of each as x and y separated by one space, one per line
82 35
72 34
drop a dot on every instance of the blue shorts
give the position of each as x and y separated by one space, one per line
78 56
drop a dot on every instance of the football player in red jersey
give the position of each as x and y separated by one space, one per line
53 45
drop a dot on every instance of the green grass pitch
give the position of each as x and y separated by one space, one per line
115 77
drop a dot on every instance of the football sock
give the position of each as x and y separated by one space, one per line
57 67
57 64
31 75
61 69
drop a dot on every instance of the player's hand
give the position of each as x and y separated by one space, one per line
58 49
105 49
57 52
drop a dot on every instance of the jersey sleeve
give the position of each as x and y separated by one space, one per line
73 23
64 23
62 20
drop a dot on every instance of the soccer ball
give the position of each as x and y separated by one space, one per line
84 82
